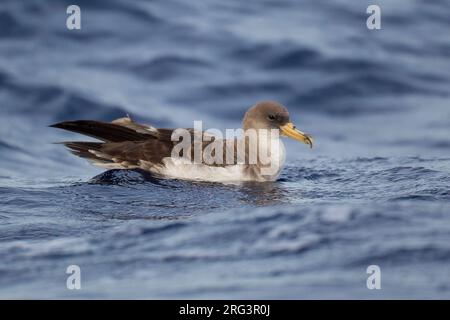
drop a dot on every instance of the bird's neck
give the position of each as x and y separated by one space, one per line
271 157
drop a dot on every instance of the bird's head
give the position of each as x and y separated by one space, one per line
272 115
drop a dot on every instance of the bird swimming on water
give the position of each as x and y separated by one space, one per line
126 144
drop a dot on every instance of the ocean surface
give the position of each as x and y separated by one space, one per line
375 190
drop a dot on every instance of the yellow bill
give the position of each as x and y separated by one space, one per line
290 131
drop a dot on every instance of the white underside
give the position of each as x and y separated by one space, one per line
200 172
176 168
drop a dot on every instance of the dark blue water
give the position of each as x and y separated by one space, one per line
374 191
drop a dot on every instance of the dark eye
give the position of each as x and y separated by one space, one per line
271 117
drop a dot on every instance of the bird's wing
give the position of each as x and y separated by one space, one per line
125 143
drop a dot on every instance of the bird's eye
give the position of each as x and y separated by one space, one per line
271 117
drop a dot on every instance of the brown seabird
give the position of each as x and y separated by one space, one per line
126 144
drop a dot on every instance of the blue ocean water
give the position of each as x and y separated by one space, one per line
374 191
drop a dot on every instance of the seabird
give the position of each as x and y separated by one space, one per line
126 144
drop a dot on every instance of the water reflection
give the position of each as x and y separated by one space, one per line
206 195
263 193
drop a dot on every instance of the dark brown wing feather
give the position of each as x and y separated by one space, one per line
108 132
133 152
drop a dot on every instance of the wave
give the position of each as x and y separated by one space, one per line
13 27
169 67
58 104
